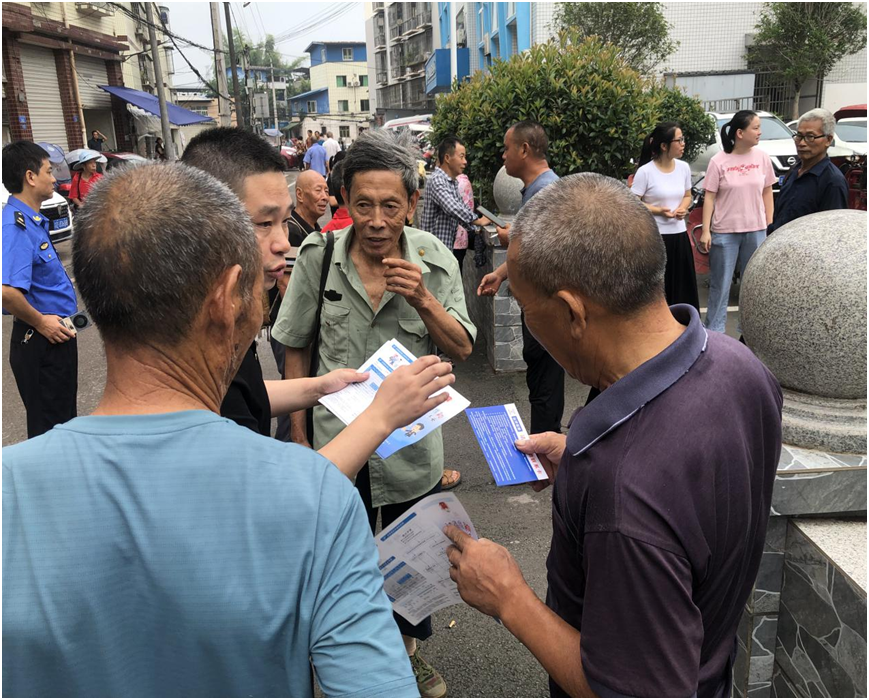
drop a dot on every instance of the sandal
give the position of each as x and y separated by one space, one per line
450 479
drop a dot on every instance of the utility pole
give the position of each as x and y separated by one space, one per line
252 95
239 111
161 89
274 94
219 66
454 46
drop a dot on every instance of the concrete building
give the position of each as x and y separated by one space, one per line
56 54
338 100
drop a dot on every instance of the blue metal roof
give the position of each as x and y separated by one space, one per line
308 94
177 115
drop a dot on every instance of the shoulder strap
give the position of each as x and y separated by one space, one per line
324 274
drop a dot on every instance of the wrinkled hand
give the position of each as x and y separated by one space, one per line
503 235
705 242
487 575
405 278
549 447
406 394
489 285
53 329
337 379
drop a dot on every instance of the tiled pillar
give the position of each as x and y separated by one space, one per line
16 96
120 115
68 101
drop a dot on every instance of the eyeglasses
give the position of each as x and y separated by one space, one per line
809 138
681 139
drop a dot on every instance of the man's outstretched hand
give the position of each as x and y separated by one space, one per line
548 447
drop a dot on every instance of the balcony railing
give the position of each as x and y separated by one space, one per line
417 22
378 6
397 72
380 39
382 76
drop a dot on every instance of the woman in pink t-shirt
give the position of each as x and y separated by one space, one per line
737 208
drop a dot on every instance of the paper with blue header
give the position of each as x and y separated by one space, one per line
497 429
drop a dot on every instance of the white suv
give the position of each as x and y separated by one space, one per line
776 139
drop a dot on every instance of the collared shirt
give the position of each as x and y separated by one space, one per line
351 331
332 147
31 264
445 210
821 188
547 177
659 516
316 157
180 555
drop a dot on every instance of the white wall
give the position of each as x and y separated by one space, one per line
838 95
325 75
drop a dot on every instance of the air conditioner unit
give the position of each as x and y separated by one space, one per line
487 44
353 83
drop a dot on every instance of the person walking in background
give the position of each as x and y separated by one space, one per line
663 184
86 176
315 158
737 209
341 218
159 149
335 194
460 245
332 147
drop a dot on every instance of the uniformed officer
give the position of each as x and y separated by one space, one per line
38 292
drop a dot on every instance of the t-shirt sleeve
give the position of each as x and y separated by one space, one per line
640 183
356 648
297 316
641 631
17 258
769 178
710 184
686 170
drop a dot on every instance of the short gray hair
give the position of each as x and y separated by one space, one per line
382 149
148 244
591 234
828 123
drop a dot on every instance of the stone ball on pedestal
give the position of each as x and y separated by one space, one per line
508 193
803 306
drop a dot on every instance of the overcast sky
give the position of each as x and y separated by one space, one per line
192 20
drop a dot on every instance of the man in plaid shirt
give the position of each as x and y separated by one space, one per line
444 209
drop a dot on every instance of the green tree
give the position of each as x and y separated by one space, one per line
803 40
595 108
637 28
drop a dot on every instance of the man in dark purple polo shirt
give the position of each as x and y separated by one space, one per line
664 481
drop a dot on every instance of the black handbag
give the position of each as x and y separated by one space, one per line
315 346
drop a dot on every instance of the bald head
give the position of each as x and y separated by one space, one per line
312 195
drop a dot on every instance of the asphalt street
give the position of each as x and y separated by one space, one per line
477 656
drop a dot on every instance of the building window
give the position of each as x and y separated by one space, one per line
341 80
363 80
347 54
323 54
343 105
312 106
344 132
364 105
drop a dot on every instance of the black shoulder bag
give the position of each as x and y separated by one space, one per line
315 346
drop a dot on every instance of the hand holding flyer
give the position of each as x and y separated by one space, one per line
497 429
351 401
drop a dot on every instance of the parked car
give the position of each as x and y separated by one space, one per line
56 210
776 139
113 160
850 134
291 156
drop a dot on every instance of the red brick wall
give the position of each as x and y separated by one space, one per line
68 103
13 88
120 115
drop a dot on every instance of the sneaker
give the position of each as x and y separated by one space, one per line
429 681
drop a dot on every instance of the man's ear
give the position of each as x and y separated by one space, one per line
575 310
414 200
30 177
223 303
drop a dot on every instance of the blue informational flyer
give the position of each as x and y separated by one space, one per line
497 429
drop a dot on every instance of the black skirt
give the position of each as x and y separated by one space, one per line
680 280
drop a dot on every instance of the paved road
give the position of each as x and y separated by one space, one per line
477 656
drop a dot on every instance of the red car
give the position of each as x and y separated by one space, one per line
291 156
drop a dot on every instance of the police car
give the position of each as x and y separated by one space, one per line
56 210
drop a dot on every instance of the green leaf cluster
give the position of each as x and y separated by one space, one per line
595 109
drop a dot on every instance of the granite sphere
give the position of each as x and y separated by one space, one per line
508 192
803 304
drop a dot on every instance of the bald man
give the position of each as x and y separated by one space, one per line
312 198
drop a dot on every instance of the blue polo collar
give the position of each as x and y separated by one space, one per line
633 391
817 168
16 203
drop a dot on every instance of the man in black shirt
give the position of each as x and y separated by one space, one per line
254 171
96 141
813 184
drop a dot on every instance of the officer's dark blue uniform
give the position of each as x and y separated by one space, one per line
46 373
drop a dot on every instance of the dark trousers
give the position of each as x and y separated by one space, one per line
279 351
545 379
460 256
388 513
47 378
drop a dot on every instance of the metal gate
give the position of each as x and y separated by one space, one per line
92 72
43 95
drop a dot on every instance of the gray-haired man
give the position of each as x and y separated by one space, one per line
385 280
813 184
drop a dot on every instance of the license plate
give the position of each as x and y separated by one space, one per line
61 223
781 180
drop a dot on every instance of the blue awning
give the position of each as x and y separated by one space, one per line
177 115
302 95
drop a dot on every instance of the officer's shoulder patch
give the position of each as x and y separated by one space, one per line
20 220
44 246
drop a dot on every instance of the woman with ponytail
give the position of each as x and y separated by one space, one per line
737 209
663 183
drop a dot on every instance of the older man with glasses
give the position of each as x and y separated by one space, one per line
813 184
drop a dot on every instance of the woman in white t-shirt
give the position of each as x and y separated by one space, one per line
663 183
737 209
